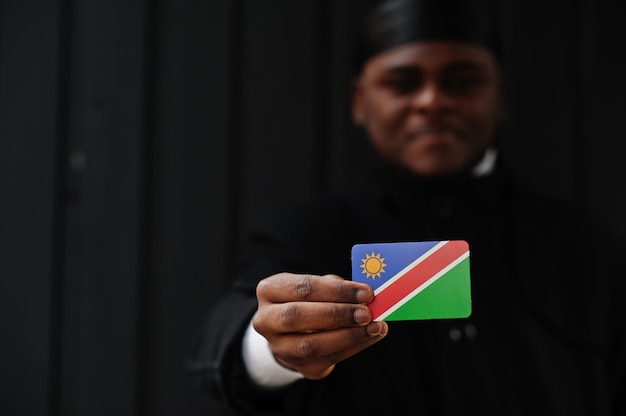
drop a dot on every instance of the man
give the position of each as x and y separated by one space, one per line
547 330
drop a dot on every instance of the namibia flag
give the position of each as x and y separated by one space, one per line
415 280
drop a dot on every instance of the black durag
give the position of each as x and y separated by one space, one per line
395 22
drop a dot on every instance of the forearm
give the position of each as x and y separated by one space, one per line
217 344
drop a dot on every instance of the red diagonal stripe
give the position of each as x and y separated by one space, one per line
417 276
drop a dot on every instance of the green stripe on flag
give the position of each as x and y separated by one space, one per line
447 297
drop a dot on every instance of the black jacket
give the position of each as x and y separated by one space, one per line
547 330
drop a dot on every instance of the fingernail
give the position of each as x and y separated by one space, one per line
377 328
362 315
364 296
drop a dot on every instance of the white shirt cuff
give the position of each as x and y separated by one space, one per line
261 364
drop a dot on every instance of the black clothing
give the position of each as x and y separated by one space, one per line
547 333
396 22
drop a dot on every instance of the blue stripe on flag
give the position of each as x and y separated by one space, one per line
397 256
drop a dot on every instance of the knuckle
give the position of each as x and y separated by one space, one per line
303 287
261 287
257 321
337 315
290 316
267 285
307 349
260 323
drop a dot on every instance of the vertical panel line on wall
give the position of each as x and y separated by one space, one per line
323 61
586 23
65 25
146 216
234 131
578 29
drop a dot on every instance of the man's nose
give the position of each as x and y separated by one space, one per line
430 98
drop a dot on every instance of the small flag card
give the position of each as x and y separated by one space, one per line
415 280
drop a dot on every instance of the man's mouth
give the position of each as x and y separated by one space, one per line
436 136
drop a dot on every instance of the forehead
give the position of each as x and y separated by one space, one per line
432 56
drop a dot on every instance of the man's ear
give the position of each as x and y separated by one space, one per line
358 110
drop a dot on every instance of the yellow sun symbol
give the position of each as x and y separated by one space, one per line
373 265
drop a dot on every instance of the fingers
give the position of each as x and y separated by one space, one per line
287 287
313 322
304 303
310 316
315 355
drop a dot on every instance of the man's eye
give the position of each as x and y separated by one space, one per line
463 84
401 85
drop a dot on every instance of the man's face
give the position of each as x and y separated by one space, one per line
432 107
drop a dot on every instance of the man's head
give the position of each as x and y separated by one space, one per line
430 93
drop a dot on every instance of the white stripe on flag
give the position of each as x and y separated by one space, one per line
423 286
409 267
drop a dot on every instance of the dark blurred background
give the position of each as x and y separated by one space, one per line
138 138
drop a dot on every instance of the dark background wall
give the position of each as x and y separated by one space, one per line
138 138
